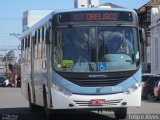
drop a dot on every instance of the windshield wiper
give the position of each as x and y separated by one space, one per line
78 32
84 40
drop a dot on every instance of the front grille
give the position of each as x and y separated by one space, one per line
97 82
107 103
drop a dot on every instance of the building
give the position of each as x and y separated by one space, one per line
93 3
30 17
2 68
155 40
144 13
111 5
85 3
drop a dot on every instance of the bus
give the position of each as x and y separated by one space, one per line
68 61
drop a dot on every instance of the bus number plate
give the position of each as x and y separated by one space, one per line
97 101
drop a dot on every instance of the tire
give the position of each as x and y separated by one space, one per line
151 96
46 109
11 85
120 113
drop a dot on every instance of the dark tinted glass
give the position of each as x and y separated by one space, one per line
145 78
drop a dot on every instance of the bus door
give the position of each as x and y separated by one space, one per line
48 64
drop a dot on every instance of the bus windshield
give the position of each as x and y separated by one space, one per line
95 48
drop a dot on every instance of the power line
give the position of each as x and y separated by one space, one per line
17 35
4 36
9 46
10 19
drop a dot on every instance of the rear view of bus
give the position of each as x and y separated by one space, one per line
96 60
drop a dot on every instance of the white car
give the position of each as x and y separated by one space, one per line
5 82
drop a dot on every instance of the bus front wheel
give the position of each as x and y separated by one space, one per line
120 113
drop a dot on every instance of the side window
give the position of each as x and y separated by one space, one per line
22 44
145 78
35 44
29 48
43 42
42 33
26 46
35 38
39 44
39 36
26 42
23 49
29 41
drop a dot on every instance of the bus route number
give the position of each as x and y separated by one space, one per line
116 88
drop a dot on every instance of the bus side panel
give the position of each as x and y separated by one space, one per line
25 65
25 78
40 74
38 81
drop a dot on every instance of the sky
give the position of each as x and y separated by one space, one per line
11 13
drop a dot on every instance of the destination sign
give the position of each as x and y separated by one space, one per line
95 16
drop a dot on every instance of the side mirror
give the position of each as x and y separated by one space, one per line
48 36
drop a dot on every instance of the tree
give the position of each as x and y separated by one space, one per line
10 66
9 57
1 57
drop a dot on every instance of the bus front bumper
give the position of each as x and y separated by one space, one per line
76 101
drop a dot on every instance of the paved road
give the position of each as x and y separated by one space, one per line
13 106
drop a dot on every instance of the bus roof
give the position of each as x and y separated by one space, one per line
93 9
49 16
37 25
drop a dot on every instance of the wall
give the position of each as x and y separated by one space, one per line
30 17
85 3
155 40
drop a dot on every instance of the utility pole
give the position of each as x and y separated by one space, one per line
17 35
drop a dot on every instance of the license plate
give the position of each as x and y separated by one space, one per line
97 101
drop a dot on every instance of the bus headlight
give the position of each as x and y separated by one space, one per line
62 89
132 89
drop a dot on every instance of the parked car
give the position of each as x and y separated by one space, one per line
5 82
146 77
157 89
148 86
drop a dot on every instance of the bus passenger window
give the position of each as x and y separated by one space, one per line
42 33
35 38
39 36
22 44
26 42
35 44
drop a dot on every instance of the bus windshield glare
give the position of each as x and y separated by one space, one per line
95 48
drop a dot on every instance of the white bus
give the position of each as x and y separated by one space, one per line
70 61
